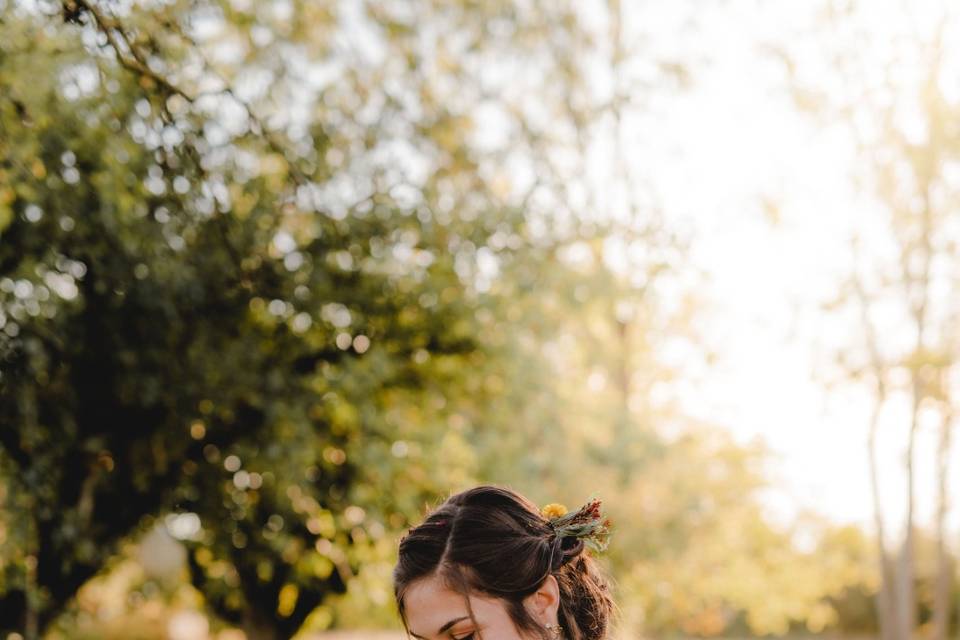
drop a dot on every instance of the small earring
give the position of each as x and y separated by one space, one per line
557 631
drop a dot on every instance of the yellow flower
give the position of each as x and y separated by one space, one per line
553 510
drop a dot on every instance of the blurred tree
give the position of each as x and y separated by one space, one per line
586 331
173 298
896 111
262 261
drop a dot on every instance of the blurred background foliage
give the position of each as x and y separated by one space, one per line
275 276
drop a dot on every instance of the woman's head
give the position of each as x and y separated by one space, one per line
487 563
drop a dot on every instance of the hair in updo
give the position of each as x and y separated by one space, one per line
493 541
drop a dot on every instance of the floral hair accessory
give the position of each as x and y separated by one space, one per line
553 510
587 523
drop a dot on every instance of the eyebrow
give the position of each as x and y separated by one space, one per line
443 628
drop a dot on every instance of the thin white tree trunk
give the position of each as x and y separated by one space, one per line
944 580
918 293
885 598
906 599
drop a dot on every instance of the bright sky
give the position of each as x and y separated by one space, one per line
734 138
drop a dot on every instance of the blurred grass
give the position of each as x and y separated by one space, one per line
390 635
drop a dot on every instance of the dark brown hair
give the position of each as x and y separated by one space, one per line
492 541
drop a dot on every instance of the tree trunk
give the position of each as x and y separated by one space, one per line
887 601
886 597
255 628
906 597
944 583
906 600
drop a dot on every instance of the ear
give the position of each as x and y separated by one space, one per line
544 603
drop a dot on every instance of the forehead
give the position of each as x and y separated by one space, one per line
429 605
